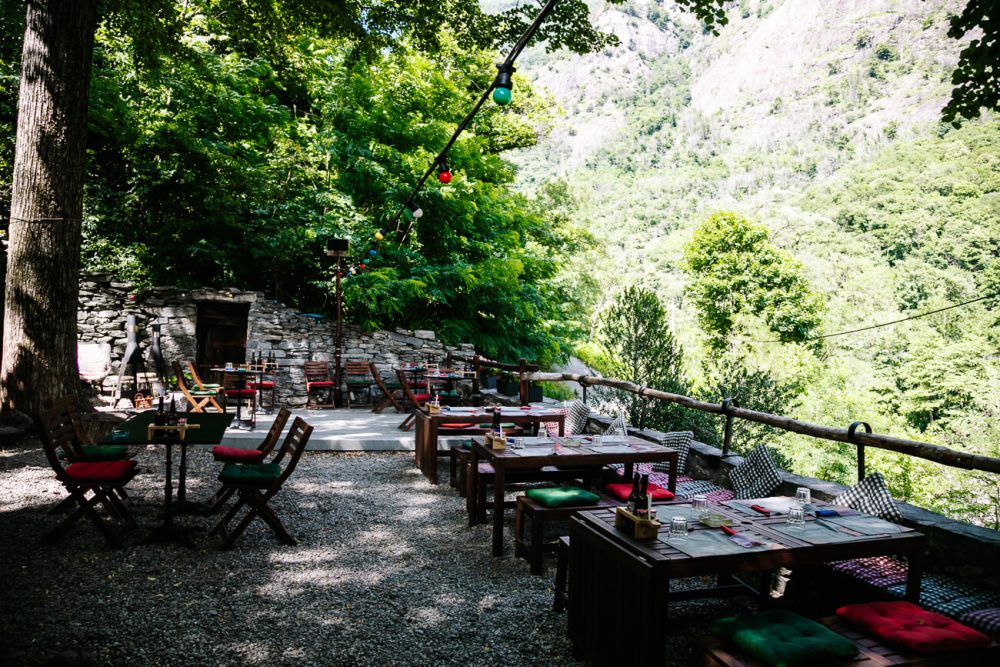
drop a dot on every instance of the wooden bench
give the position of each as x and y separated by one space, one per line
535 548
711 652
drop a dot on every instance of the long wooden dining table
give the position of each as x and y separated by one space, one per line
620 587
428 428
568 451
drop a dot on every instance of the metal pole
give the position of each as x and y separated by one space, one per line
337 400
851 430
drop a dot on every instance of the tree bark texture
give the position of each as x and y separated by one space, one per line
42 288
923 450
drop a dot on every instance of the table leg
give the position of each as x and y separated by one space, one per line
168 514
167 531
418 443
673 475
498 495
914 575
562 425
430 451
182 506
472 487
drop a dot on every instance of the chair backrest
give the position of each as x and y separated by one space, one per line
292 447
373 369
356 369
195 378
316 371
407 391
60 427
271 439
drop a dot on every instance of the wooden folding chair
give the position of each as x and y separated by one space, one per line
318 379
257 483
196 379
89 483
389 391
358 379
411 400
225 454
198 399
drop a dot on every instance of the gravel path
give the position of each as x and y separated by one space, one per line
386 573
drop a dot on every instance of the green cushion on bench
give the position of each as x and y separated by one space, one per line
504 425
250 473
563 496
102 452
784 639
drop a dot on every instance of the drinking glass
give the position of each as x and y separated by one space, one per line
700 505
596 440
678 529
796 517
802 496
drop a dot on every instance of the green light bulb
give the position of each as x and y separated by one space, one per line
502 96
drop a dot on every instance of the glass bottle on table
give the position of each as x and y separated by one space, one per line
633 497
642 500
496 422
159 419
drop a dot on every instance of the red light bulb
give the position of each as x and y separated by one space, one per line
444 177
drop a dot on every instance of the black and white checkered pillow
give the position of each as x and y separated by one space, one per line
619 426
984 620
576 418
756 477
871 496
681 441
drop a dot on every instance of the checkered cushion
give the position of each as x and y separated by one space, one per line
681 441
576 418
878 571
756 477
871 496
986 621
552 428
949 596
618 426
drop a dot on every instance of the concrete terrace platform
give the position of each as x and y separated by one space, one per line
337 430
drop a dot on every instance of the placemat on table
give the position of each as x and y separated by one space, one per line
714 542
610 449
774 505
815 532
864 524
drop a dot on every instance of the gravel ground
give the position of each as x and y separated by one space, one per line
386 573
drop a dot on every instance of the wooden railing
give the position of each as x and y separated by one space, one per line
480 364
860 437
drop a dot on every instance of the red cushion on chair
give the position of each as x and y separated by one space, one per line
623 490
241 392
456 425
237 454
100 471
910 627
263 384
322 384
422 397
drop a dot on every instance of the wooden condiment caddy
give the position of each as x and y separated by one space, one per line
634 526
181 429
433 409
495 442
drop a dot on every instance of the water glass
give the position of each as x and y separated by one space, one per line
700 505
678 529
515 443
796 517
597 440
802 496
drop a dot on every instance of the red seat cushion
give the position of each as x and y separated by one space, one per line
237 454
913 628
422 397
322 384
623 490
100 471
456 425
264 384
240 392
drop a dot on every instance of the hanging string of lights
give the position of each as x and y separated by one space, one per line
502 92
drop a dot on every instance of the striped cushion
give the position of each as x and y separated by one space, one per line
576 418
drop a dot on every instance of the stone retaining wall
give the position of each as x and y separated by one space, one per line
272 328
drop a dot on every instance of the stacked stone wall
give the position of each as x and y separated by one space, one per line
272 329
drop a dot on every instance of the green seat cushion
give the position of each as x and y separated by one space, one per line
504 425
784 639
250 473
210 385
563 496
203 392
102 452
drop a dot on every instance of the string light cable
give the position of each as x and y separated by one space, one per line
886 324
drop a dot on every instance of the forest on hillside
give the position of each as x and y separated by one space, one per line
731 201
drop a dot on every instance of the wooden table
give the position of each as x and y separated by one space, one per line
427 427
211 428
580 455
619 588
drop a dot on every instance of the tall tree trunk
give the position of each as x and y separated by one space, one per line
43 264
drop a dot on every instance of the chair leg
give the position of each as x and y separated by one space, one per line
537 547
218 500
230 515
562 570
278 528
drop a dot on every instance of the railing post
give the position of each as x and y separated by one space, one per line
861 448
727 437
522 368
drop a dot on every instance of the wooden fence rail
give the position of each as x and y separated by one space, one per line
936 453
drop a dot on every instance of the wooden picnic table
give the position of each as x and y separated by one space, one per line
428 427
573 452
619 587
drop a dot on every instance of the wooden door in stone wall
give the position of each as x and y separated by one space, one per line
221 331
